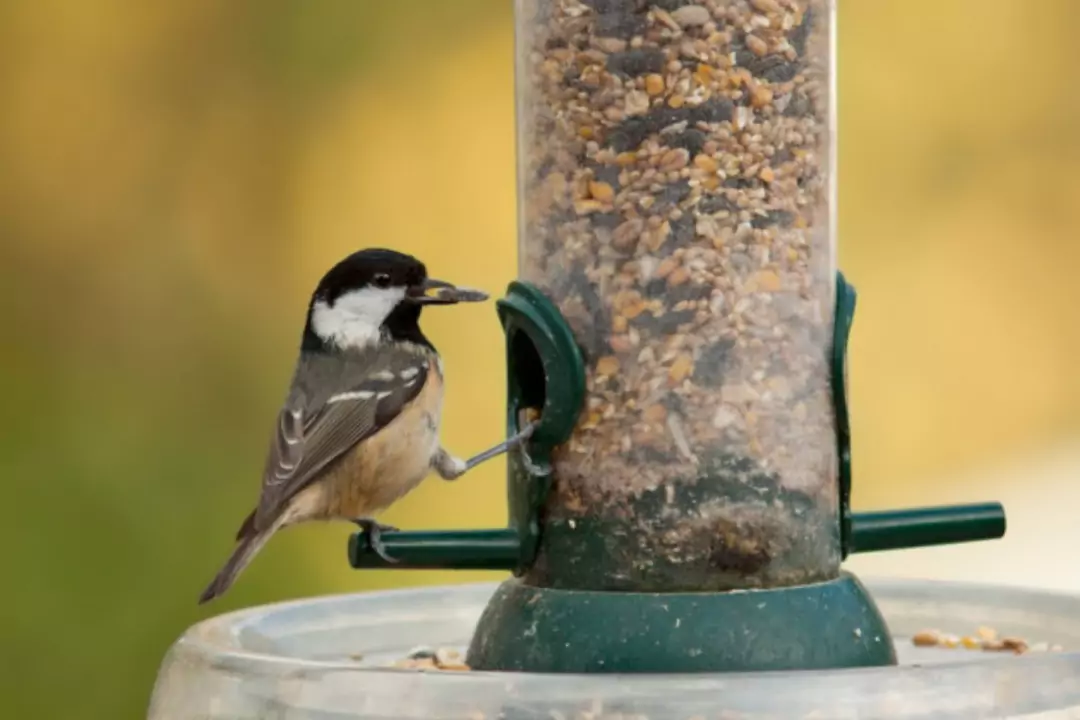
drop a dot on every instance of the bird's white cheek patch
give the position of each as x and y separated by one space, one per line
356 318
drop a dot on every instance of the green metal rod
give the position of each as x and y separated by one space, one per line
497 549
919 527
500 549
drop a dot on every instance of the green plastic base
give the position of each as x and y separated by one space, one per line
833 624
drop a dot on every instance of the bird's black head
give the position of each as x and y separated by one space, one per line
372 296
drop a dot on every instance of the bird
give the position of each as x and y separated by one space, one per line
359 427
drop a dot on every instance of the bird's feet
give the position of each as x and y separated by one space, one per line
447 466
451 468
518 439
373 531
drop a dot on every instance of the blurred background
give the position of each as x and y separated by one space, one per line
174 177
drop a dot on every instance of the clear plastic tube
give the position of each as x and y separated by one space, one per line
676 176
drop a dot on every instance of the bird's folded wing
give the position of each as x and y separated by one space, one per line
314 430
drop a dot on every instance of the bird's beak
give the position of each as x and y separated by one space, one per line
439 292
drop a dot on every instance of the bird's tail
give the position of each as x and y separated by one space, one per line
250 544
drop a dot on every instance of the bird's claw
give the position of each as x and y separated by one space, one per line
518 439
373 531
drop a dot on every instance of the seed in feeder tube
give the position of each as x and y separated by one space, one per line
654 414
681 368
760 97
706 163
756 45
970 642
678 276
587 206
986 633
666 267
950 641
601 191
607 365
690 15
675 159
769 7
768 281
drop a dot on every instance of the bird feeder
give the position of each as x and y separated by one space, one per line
679 331
678 336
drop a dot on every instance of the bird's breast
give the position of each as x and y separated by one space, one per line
393 461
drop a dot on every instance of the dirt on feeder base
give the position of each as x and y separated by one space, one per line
424 658
985 638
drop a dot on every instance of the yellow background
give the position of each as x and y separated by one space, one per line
174 177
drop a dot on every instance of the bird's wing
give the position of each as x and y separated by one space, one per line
317 426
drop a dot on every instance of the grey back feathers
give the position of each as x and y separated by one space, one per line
336 400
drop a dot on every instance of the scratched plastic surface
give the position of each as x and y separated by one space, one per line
295 661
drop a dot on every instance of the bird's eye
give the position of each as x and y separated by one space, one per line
382 280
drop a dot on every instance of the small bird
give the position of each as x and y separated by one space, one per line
360 425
